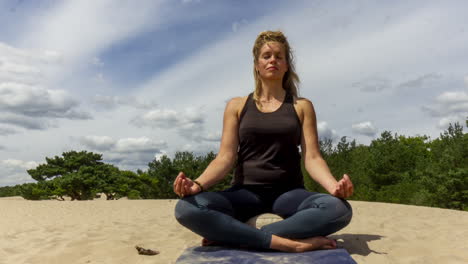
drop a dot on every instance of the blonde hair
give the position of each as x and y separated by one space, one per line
290 78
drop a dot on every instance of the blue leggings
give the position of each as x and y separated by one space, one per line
221 216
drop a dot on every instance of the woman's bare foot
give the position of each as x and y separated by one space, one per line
315 243
301 245
208 243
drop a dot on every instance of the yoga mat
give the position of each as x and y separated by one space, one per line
223 255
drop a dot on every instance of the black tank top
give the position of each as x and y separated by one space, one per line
268 146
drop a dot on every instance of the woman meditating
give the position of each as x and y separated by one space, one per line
261 135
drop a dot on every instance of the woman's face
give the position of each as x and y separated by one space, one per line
271 63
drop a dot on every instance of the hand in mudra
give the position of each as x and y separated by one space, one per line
344 188
184 186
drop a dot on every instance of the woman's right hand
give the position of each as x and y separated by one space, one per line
184 186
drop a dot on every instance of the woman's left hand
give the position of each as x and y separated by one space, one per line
344 188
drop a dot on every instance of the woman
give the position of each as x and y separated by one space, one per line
262 133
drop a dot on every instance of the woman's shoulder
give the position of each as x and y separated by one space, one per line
302 102
236 104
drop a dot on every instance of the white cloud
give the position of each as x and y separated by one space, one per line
13 171
124 145
444 122
365 128
186 120
34 107
127 153
101 143
450 107
14 163
325 131
27 66
449 103
26 122
216 137
143 144
200 148
105 23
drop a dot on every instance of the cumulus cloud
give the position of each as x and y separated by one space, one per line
13 171
124 145
27 122
189 123
23 100
130 153
373 84
143 144
26 66
215 137
101 143
325 131
444 122
14 163
200 148
449 103
30 107
450 107
365 128
166 118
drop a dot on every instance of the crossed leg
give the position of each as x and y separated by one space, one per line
220 216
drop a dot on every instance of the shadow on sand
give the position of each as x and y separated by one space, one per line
356 243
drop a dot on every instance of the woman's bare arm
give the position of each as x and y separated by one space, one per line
314 163
226 157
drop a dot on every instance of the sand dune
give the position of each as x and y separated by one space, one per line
107 231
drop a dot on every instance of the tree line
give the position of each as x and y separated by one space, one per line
392 168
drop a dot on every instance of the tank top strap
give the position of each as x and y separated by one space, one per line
247 105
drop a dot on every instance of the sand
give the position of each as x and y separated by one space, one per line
103 231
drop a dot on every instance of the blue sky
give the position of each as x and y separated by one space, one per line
134 80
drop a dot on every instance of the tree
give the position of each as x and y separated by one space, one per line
69 163
162 172
79 175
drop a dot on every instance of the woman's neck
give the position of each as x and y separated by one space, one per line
272 90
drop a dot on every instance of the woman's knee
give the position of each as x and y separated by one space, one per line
337 209
194 208
184 210
342 211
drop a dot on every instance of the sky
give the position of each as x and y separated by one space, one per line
135 80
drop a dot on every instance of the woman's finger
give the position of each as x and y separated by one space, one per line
345 187
351 188
187 187
348 185
176 185
339 189
177 181
180 187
